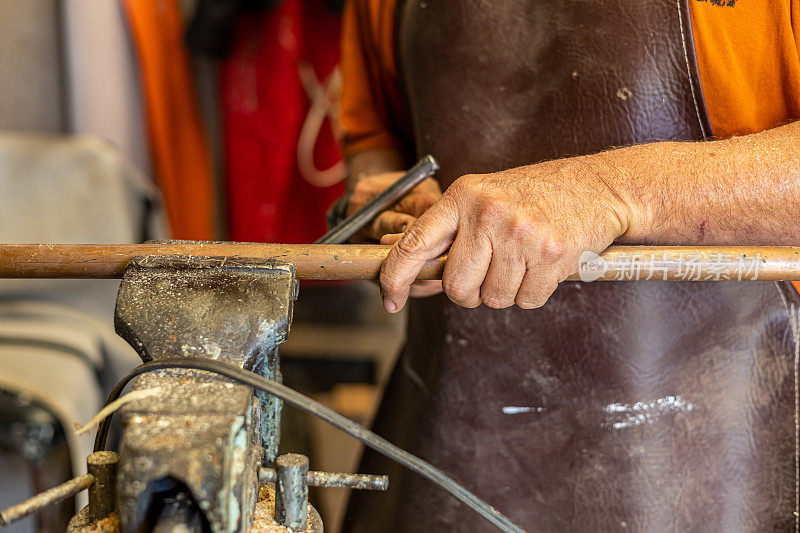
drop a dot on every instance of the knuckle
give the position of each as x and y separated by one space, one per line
456 291
491 211
412 242
459 186
536 297
553 250
533 301
389 222
362 188
463 187
520 229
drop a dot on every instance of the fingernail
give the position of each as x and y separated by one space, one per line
389 305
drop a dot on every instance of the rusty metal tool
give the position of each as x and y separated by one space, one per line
424 169
101 482
292 479
363 261
341 480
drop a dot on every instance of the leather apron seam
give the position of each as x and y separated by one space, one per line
685 22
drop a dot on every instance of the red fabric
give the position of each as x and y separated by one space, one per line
264 106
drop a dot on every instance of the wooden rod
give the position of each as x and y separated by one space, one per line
356 261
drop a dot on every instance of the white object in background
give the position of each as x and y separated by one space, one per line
70 189
104 95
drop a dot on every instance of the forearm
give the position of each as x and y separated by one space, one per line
514 235
744 190
371 162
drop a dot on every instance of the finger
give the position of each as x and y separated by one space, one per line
503 279
419 289
427 238
388 222
465 269
536 287
391 238
416 203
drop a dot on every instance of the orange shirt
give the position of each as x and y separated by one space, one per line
748 54
371 103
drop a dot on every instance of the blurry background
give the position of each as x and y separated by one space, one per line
129 120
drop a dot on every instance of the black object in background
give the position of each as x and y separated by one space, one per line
211 30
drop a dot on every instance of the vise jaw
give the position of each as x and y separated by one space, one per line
201 433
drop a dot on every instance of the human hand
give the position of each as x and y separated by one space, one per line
422 288
402 214
513 235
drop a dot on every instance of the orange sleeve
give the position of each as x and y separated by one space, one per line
371 107
748 55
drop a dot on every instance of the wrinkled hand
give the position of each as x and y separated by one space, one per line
388 227
402 214
513 235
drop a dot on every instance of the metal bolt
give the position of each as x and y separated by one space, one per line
334 480
291 491
43 499
103 492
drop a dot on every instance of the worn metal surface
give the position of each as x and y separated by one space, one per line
43 499
103 492
291 491
264 517
234 311
351 481
201 433
334 479
82 523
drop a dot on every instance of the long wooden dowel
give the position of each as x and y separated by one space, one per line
353 261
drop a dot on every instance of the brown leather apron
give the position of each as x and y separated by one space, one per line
627 406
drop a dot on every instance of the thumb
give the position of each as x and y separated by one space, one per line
426 239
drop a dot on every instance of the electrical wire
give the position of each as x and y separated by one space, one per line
368 438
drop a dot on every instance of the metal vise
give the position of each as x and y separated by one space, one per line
200 434
196 447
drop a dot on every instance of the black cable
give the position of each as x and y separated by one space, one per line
370 439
